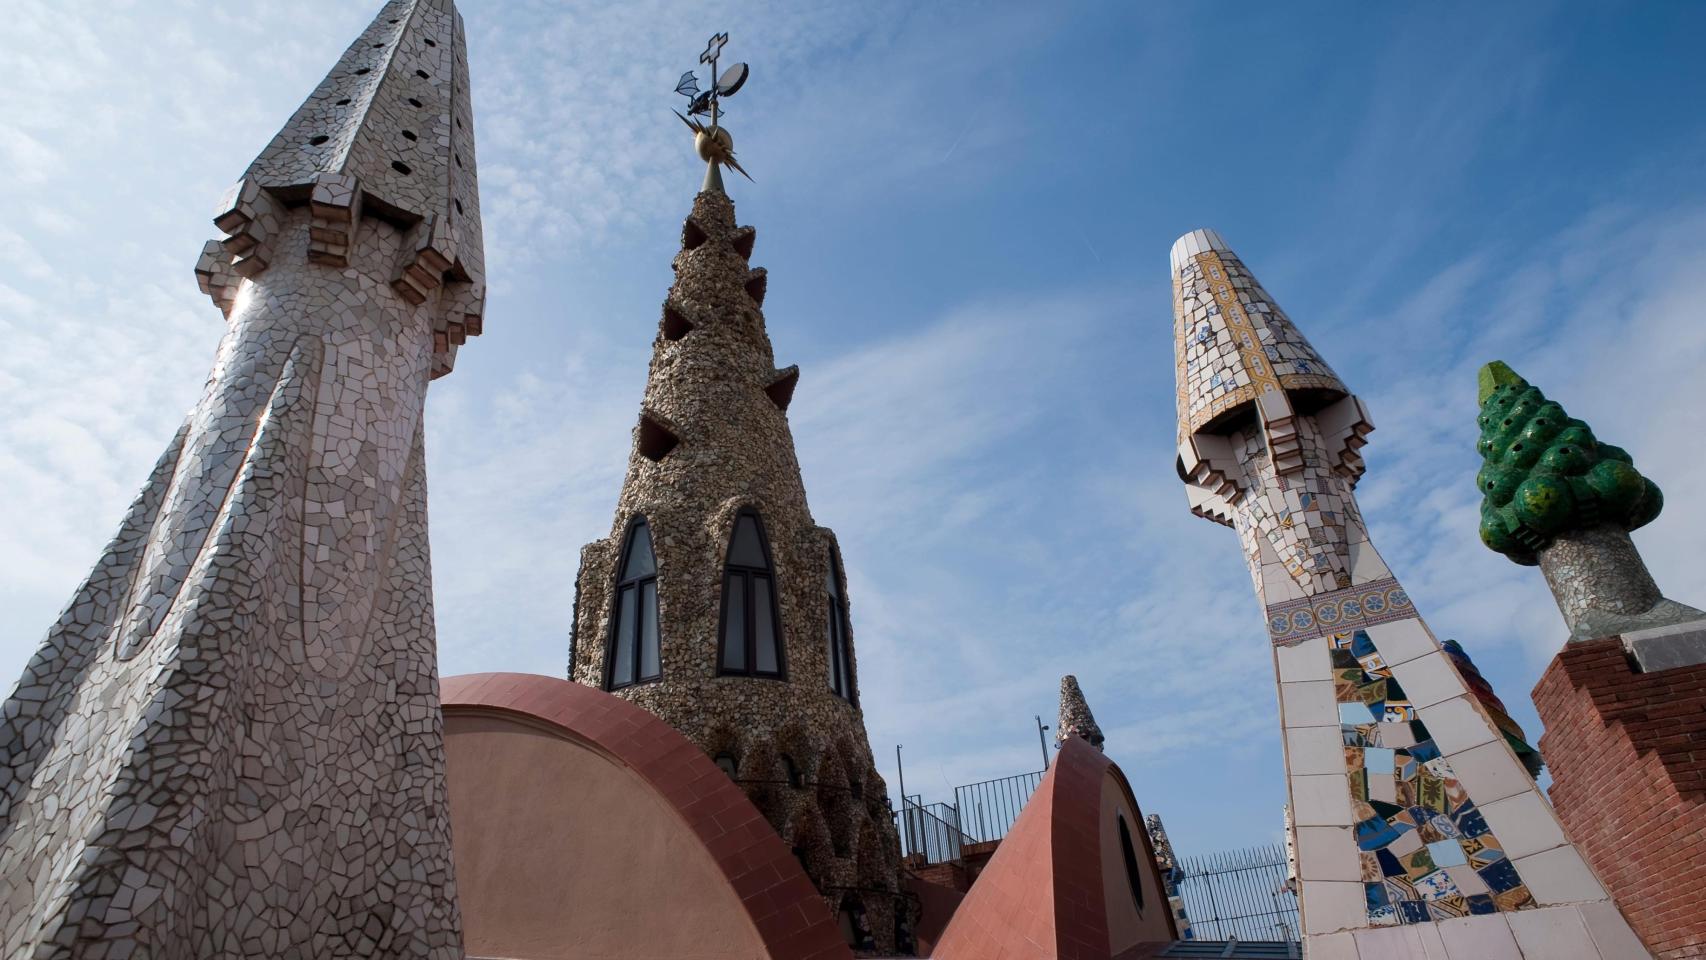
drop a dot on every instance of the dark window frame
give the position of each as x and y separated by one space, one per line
733 769
838 627
637 583
747 576
1133 870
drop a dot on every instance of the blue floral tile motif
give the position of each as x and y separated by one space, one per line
1403 790
1436 885
1357 606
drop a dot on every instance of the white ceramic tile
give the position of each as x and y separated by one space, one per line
1523 824
1332 946
1321 801
1277 585
1330 906
1396 734
1484 937
1383 788
1555 933
1432 946
1611 933
1315 750
1308 660
1558 875
1401 640
1309 704
1428 679
1467 880
1389 943
1407 843
1328 853
1366 564
1490 772
1456 725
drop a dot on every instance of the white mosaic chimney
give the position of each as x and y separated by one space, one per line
229 745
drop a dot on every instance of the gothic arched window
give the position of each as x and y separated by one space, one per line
750 640
840 654
634 613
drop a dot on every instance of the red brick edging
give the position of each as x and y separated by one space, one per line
790 915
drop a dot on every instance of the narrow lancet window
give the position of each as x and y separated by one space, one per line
751 638
634 654
840 657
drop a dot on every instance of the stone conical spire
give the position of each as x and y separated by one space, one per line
717 602
1409 805
229 744
1075 717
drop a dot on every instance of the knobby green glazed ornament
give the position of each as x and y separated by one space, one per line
1544 474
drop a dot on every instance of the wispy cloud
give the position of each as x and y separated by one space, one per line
992 442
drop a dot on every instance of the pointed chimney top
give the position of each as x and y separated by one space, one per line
1075 717
389 135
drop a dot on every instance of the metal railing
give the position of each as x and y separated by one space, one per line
987 810
1241 894
932 830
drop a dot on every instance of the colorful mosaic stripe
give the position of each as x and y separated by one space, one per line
1481 690
1426 852
1364 605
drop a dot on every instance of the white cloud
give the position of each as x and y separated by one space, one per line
998 468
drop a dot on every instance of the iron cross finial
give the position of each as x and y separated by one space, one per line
714 49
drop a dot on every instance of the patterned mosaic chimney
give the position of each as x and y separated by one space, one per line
1413 817
229 745
1075 717
719 604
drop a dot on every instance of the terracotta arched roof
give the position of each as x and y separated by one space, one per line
784 906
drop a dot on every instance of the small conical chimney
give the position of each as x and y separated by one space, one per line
1076 720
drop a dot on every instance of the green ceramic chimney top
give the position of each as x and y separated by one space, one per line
1545 475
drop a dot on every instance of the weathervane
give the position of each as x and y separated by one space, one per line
713 143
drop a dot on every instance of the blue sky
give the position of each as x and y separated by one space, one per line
966 212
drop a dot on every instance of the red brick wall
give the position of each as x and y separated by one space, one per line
1628 757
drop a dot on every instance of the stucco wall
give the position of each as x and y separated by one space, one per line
1127 924
562 852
